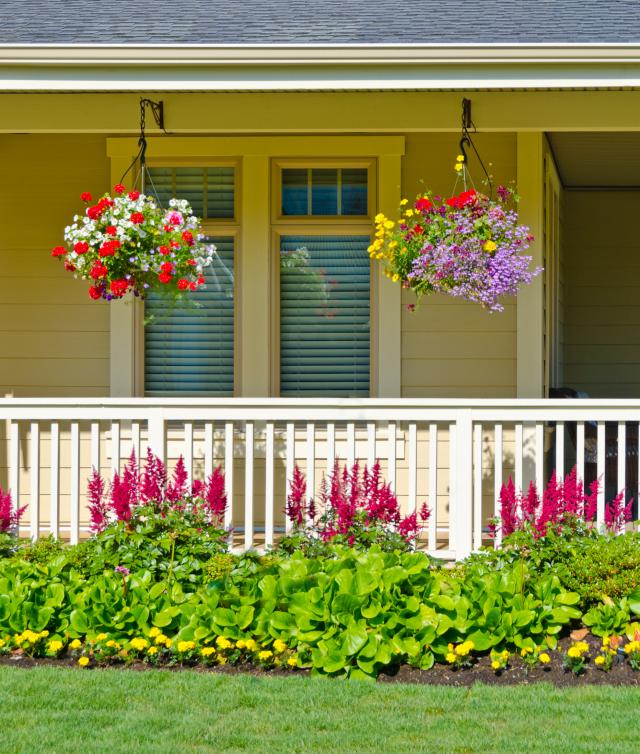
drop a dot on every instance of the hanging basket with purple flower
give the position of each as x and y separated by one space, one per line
468 245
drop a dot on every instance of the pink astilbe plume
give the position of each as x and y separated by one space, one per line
120 498
98 505
215 496
296 497
154 479
617 514
177 487
9 517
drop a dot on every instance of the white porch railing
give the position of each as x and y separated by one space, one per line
455 454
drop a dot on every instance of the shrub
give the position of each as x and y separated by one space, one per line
356 508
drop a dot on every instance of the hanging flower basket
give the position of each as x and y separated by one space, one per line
467 246
129 243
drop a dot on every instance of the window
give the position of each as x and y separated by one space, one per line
324 315
189 348
322 217
324 191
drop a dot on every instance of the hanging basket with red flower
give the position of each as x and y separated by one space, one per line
127 242
468 245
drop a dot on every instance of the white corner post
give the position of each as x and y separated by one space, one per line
530 302
462 514
388 311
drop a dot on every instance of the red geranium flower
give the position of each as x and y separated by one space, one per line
119 188
133 195
166 267
69 267
418 230
187 237
98 271
59 251
193 286
94 212
164 277
95 293
423 204
119 287
111 230
192 262
201 280
137 218
85 196
105 202
174 244
183 284
167 228
164 249
82 247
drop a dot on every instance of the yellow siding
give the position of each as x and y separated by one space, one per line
54 341
602 294
452 349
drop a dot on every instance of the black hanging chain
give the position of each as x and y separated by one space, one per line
157 110
469 127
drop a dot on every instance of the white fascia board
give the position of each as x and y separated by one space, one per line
316 67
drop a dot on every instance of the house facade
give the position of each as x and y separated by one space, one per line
301 350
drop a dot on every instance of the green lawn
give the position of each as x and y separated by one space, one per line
82 712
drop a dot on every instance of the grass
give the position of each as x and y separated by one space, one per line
60 711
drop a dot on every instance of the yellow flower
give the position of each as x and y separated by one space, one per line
460 158
463 649
504 655
395 277
155 631
380 233
450 657
111 644
574 652
265 654
101 637
1 643
458 166
186 646
152 651
75 644
524 651
279 645
403 202
495 665
371 248
599 660
393 244
139 643
544 658
241 644
389 224
54 645
251 645
379 218
207 651
222 660
490 246
631 647
43 634
223 643
83 662
292 662
606 641
409 213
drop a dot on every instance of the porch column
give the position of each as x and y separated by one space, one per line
530 302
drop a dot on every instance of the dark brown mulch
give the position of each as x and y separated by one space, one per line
439 675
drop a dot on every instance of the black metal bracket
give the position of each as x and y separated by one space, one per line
157 110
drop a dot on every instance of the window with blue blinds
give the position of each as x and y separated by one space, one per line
324 191
324 315
189 347
209 191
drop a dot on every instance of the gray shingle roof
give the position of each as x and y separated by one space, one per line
318 21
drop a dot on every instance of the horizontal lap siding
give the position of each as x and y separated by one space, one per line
450 348
602 294
54 341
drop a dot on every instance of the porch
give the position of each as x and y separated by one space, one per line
453 454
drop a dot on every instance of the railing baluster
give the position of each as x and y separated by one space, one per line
74 510
518 456
156 433
351 444
14 463
453 478
432 543
601 457
135 440
477 486
331 447
497 479
54 494
559 450
188 450
268 479
413 467
391 476
622 459
311 462
228 473
115 447
248 486
208 449
95 446
34 481
371 444
539 440
580 451
290 462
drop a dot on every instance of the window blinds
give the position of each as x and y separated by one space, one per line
189 346
324 315
209 191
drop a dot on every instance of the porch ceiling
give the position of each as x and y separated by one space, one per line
597 160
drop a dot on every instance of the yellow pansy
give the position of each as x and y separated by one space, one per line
241 644
54 645
75 644
490 246
395 277
186 646
379 218
460 158
409 213
251 645
292 662
152 651
207 651
101 637
223 643
599 660
155 631
458 166
496 665
389 224
403 202
450 657
279 645
139 643
83 662
265 654
544 658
